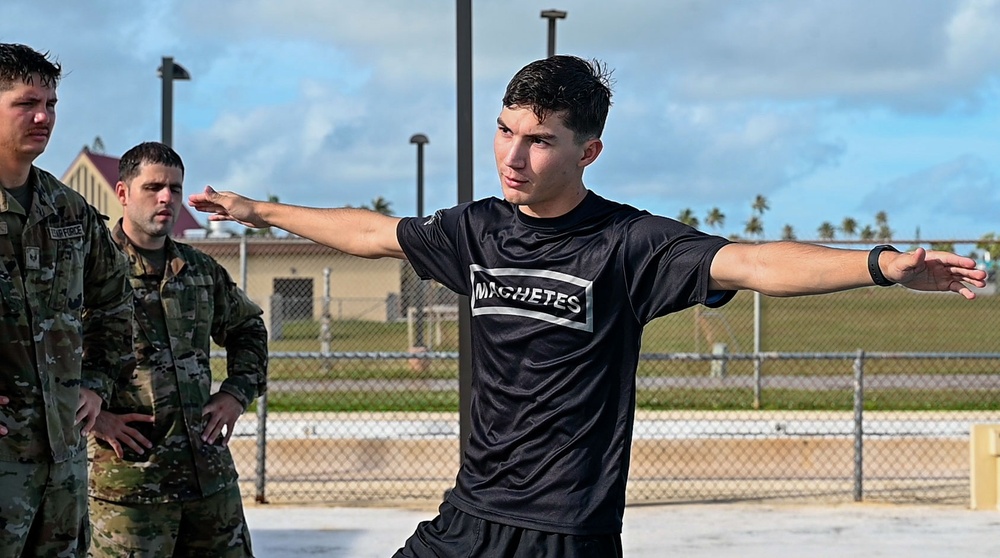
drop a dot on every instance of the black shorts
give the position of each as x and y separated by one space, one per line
456 534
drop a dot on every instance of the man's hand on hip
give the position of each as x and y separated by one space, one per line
114 429
222 410
87 408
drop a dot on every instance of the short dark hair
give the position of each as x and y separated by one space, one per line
150 152
19 63
579 88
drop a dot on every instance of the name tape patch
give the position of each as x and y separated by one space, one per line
62 233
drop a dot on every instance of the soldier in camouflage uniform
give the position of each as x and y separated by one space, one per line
163 482
65 323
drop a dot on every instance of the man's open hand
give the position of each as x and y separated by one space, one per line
222 410
115 430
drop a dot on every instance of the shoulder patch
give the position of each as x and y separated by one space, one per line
32 257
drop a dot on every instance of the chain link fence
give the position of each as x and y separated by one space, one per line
866 394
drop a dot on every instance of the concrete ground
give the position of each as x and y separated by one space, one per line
746 530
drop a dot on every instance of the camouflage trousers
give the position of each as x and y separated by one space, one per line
211 527
43 509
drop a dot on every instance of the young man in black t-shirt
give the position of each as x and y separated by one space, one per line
561 282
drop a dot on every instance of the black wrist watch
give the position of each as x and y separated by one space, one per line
873 268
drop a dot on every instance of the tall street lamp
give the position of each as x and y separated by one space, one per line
169 71
420 140
465 168
552 16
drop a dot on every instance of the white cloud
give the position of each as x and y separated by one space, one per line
964 189
716 101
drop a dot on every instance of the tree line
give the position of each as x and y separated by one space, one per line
753 228
849 229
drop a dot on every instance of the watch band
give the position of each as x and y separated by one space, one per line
873 268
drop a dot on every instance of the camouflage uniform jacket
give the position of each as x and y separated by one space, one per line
196 302
65 318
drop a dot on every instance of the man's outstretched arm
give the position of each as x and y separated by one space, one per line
792 268
358 232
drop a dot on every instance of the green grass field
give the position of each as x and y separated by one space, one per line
730 399
891 320
887 320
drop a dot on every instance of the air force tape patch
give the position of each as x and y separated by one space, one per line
62 233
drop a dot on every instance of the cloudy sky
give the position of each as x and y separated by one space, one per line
827 109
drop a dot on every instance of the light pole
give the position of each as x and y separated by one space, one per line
420 140
465 168
169 71
552 16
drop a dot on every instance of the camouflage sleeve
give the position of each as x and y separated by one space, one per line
239 327
107 312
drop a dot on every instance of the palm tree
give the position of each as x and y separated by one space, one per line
881 219
756 223
788 233
381 205
826 231
867 233
849 227
688 218
715 218
754 227
943 246
884 233
760 205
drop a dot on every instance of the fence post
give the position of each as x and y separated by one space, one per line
260 481
324 328
756 350
261 448
859 428
718 367
756 381
244 264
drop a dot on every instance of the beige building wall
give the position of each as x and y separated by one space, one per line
359 288
85 178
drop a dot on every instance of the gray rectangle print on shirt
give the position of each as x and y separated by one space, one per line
544 295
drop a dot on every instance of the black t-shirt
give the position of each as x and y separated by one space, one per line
558 308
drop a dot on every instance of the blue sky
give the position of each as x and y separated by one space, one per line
828 109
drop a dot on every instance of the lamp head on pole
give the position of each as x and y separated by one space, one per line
169 71
179 72
552 16
419 139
